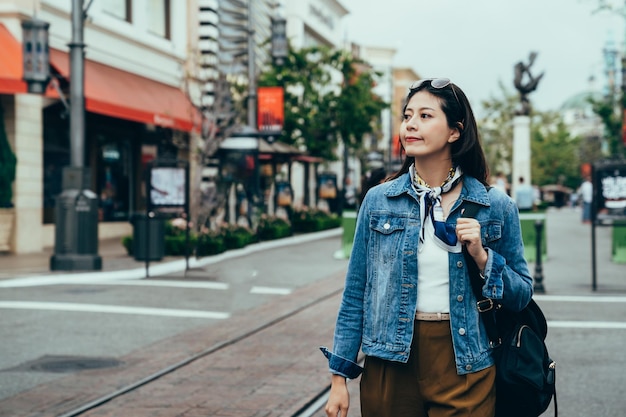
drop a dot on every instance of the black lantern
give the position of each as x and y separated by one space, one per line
36 55
280 48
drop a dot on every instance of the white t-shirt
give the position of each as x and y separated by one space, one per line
433 277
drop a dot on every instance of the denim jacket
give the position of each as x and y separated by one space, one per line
380 294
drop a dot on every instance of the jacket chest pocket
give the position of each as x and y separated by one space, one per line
387 233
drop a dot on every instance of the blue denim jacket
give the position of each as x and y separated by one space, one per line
380 294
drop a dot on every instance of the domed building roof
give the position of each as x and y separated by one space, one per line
581 100
579 117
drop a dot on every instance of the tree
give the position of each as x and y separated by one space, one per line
611 117
555 154
496 129
328 97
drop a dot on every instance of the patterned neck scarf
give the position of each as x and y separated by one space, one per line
431 210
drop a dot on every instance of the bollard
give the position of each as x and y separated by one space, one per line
538 280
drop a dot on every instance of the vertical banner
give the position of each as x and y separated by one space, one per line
271 109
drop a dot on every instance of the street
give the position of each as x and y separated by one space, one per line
134 318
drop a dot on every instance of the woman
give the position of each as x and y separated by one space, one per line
408 302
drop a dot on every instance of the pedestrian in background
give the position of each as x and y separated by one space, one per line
408 303
524 196
586 194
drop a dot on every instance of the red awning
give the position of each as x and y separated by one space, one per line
11 70
116 93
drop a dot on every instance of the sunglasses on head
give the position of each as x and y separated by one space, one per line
434 82
437 83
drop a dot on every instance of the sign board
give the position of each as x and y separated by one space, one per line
609 190
168 186
271 110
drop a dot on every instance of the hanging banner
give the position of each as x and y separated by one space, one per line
271 109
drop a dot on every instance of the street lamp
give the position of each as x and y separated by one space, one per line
280 47
36 58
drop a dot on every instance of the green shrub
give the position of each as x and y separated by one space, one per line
210 243
175 245
127 242
271 227
308 220
236 236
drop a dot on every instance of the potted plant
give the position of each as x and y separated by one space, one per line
8 163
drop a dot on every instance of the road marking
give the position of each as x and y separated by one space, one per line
586 324
165 283
581 298
99 308
270 290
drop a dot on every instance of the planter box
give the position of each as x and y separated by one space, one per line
7 216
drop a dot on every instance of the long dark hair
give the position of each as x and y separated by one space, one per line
467 151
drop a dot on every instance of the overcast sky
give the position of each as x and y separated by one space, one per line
476 43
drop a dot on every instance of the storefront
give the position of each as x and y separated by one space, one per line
130 120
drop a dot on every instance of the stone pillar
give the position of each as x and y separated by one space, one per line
25 131
521 151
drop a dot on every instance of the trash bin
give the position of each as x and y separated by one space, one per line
148 237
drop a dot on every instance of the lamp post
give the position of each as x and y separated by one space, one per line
76 231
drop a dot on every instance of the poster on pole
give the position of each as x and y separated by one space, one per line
271 110
168 186
609 190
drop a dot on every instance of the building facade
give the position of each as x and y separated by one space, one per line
137 100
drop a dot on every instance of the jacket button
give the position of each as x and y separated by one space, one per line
386 226
459 264
461 331
459 298
468 367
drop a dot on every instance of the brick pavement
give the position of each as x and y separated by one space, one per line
263 362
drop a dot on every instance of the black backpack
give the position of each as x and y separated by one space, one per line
525 372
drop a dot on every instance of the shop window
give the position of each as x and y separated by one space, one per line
113 180
158 17
118 8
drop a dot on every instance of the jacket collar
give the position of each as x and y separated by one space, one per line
473 190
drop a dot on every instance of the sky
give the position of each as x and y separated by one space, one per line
476 43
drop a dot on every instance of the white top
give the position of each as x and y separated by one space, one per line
586 191
433 278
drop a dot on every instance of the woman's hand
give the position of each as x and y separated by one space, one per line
339 398
468 233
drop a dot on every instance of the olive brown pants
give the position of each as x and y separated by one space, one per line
428 385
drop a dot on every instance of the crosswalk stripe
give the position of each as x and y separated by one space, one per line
100 308
270 290
586 324
165 283
581 298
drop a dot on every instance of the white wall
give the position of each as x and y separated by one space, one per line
127 46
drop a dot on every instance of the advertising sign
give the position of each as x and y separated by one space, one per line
327 186
609 190
271 109
168 186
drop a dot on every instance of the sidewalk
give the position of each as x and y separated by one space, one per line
116 260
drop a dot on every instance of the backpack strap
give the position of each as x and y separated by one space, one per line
486 306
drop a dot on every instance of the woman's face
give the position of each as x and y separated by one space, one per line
424 131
